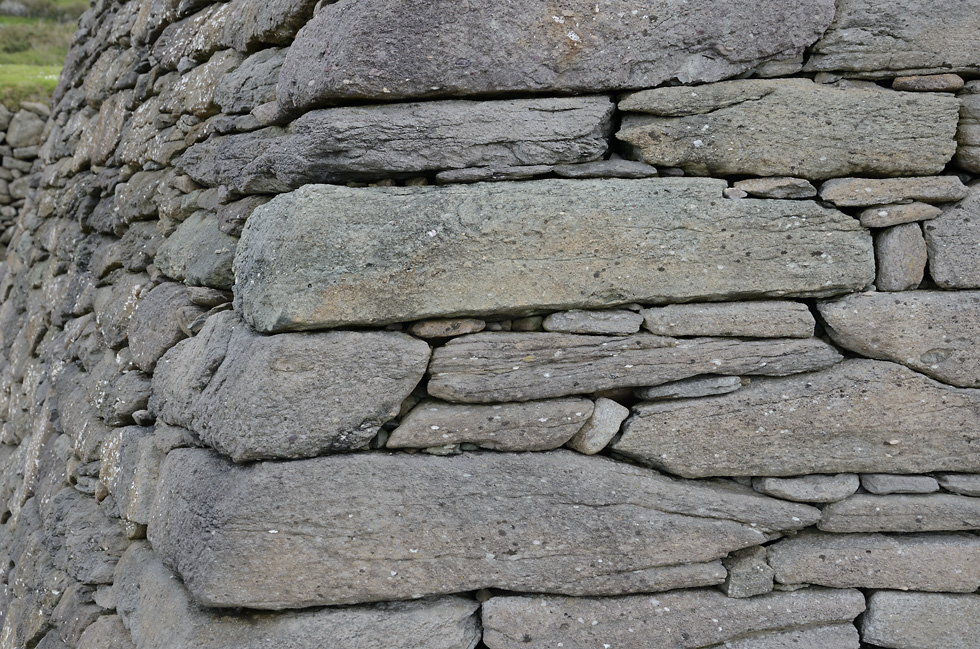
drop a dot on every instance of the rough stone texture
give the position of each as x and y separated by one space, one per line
491 367
532 521
838 636
968 134
107 632
777 187
594 322
252 83
888 215
447 328
929 83
601 427
920 513
198 253
24 129
384 141
730 128
286 396
930 562
159 613
491 174
922 620
749 574
884 484
615 167
900 253
484 48
533 426
689 620
959 483
898 422
862 192
952 240
555 238
933 332
763 319
899 37
699 386
161 321
809 488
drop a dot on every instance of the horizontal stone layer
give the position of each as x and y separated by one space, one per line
376 527
759 319
919 513
328 256
922 620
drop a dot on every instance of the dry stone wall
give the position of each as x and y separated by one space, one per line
495 324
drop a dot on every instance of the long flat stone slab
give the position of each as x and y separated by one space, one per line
919 513
329 256
373 49
506 366
379 527
921 620
791 127
860 416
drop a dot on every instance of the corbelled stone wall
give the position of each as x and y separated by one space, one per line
445 325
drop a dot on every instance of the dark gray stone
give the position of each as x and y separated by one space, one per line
922 620
107 632
960 483
884 484
198 253
82 540
698 386
252 83
161 321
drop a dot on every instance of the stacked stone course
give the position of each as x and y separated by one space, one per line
495 324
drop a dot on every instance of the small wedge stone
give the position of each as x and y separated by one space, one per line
446 328
749 573
929 83
599 430
779 187
900 252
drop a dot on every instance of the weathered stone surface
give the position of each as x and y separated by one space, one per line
929 83
447 328
688 620
160 615
129 469
921 513
161 321
922 620
384 141
491 174
952 241
533 426
899 422
116 303
763 319
862 192
838 636
968 134
933 332
615 167
601 427
252 83
698 386
785 187
748 573
554 238
900 253
888 215
491 367
899 37
546 522
967 484
107 632
809 488
930 562
482 48
295 395
731 127
618 321
194 92
884 484
81 539
198 253
24 129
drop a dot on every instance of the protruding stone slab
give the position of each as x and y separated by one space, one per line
933 332
532 426
762 319
542 522
887 215
779 187
601 427
952 241
898 422
492 367
922 620
930 562
371 49
883 484
900 252
929 513
286 396
967 484
594 322
862 192
791 127
327 256
809 488
699 386
690 619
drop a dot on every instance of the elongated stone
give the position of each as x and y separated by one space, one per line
375 49
920 513
762 319
809 488
594 322
689 620
489 367
887 215
959 483
897 422
862 192
952 241
544 522
599 430
327 256
930 562
838 636
885 483
777 187
791 127
922 620
698 386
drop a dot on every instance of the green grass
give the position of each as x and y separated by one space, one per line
33 49
34 42
27 83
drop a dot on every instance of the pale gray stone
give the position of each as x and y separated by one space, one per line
447 328
952 241
929 83
556 521
880 40
885 483
815 126
967 484
922 620
601 427
763 319
783 187
533 426
920 513
930 562
252 83
835 636
506 366
615 167
933 332
862 192
968 134
198 253
690 619
24 129
899 422
809 488
287 396
481 48
749 573
884 216
107 632
594 322
900 253
450 254
491 174
698 386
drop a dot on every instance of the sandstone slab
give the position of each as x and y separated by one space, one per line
481 48
887 215
784 187
730 128
508 366
809 488
900 253
952 241
883 484
929 562
919 513
546 522
922 620
614 167
898 422
286 396
862 192
594 322
762 319
933 332
602 426
698 386
838 636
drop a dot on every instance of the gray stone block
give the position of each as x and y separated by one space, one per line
900 253
919 513
698 386
601 427
198 253
594 322
809 488
922 620
761 319
952 241
749 573
862 192
883 484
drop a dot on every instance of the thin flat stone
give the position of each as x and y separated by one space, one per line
926 513
532 426
447 328
780 187
491 174
883 484
837 636
900 252
594 322
967 484
698 386
493 367
922 620
862 192
612 168
809 488
556 521
929 83
884 216
763 319
952 241
930 562
898 422
601 427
